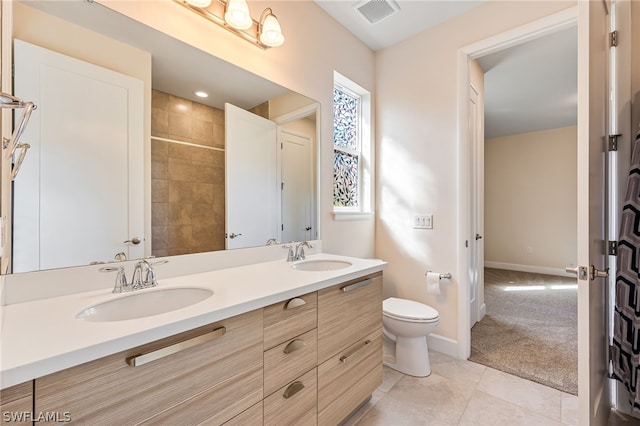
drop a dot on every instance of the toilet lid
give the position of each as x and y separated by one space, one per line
409 309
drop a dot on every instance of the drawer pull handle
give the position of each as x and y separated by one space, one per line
354 286
141 359
294 345
292 389
344 358
294 303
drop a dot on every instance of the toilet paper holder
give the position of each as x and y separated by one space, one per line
445 275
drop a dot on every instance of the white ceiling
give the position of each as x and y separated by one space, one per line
528 87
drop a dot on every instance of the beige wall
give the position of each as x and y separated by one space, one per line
315 46
530 199
417 150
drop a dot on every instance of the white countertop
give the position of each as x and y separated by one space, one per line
43 336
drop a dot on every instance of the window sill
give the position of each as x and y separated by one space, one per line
344 216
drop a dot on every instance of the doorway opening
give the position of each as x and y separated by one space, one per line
523 303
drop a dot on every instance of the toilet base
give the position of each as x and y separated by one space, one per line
411 356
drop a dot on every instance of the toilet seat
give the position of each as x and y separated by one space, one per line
409 310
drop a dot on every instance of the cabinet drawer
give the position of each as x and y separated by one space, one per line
347 313
217 404
109 390
293 404
15 402
285 320
251 417
348 378
289 360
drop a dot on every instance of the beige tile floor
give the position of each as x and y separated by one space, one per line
464 393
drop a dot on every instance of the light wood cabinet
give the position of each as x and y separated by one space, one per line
293 404
16 404
349 346
289 318
309 360
285 362
215 380
349 378
252 416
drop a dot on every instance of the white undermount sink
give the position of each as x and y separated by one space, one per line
320 265
144 304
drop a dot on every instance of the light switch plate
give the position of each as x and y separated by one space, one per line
423 221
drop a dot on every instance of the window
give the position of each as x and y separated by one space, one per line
351 147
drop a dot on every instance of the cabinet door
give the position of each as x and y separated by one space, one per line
293 404
290 318
348 312
16 403
285 362
216 379
348 378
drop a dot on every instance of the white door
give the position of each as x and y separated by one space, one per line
476 252
251 213
296 187
593 395
79 195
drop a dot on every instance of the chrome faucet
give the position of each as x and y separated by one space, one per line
300 250
142 269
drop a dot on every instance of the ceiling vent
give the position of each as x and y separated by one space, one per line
377 10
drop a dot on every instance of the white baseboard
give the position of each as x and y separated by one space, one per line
441 344
483 311
528 268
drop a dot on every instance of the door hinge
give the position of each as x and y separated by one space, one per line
282 227
281 186
612 248
613 142
613 39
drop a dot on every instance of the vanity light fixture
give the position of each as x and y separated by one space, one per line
233 15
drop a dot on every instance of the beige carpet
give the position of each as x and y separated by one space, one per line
530 329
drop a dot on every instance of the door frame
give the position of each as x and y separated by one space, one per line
550 24
312 109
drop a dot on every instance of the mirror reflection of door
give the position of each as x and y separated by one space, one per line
76 201
251 212
296 186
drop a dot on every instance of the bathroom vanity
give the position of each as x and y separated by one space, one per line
273 345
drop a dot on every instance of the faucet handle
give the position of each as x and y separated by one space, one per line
150 278
290 254
121 284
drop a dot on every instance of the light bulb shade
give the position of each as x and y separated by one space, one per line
237 15
270 32
199 3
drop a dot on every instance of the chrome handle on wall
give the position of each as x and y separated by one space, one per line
292 389
232 235
345 358
357 285
141 359
134 240
294 303
294 345
16 166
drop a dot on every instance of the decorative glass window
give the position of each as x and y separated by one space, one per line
347 133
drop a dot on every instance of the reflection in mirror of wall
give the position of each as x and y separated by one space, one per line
182 191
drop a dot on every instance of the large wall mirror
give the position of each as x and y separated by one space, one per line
126 160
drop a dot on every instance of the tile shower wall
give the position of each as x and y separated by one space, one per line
187 191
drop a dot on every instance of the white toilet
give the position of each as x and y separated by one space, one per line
406 324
